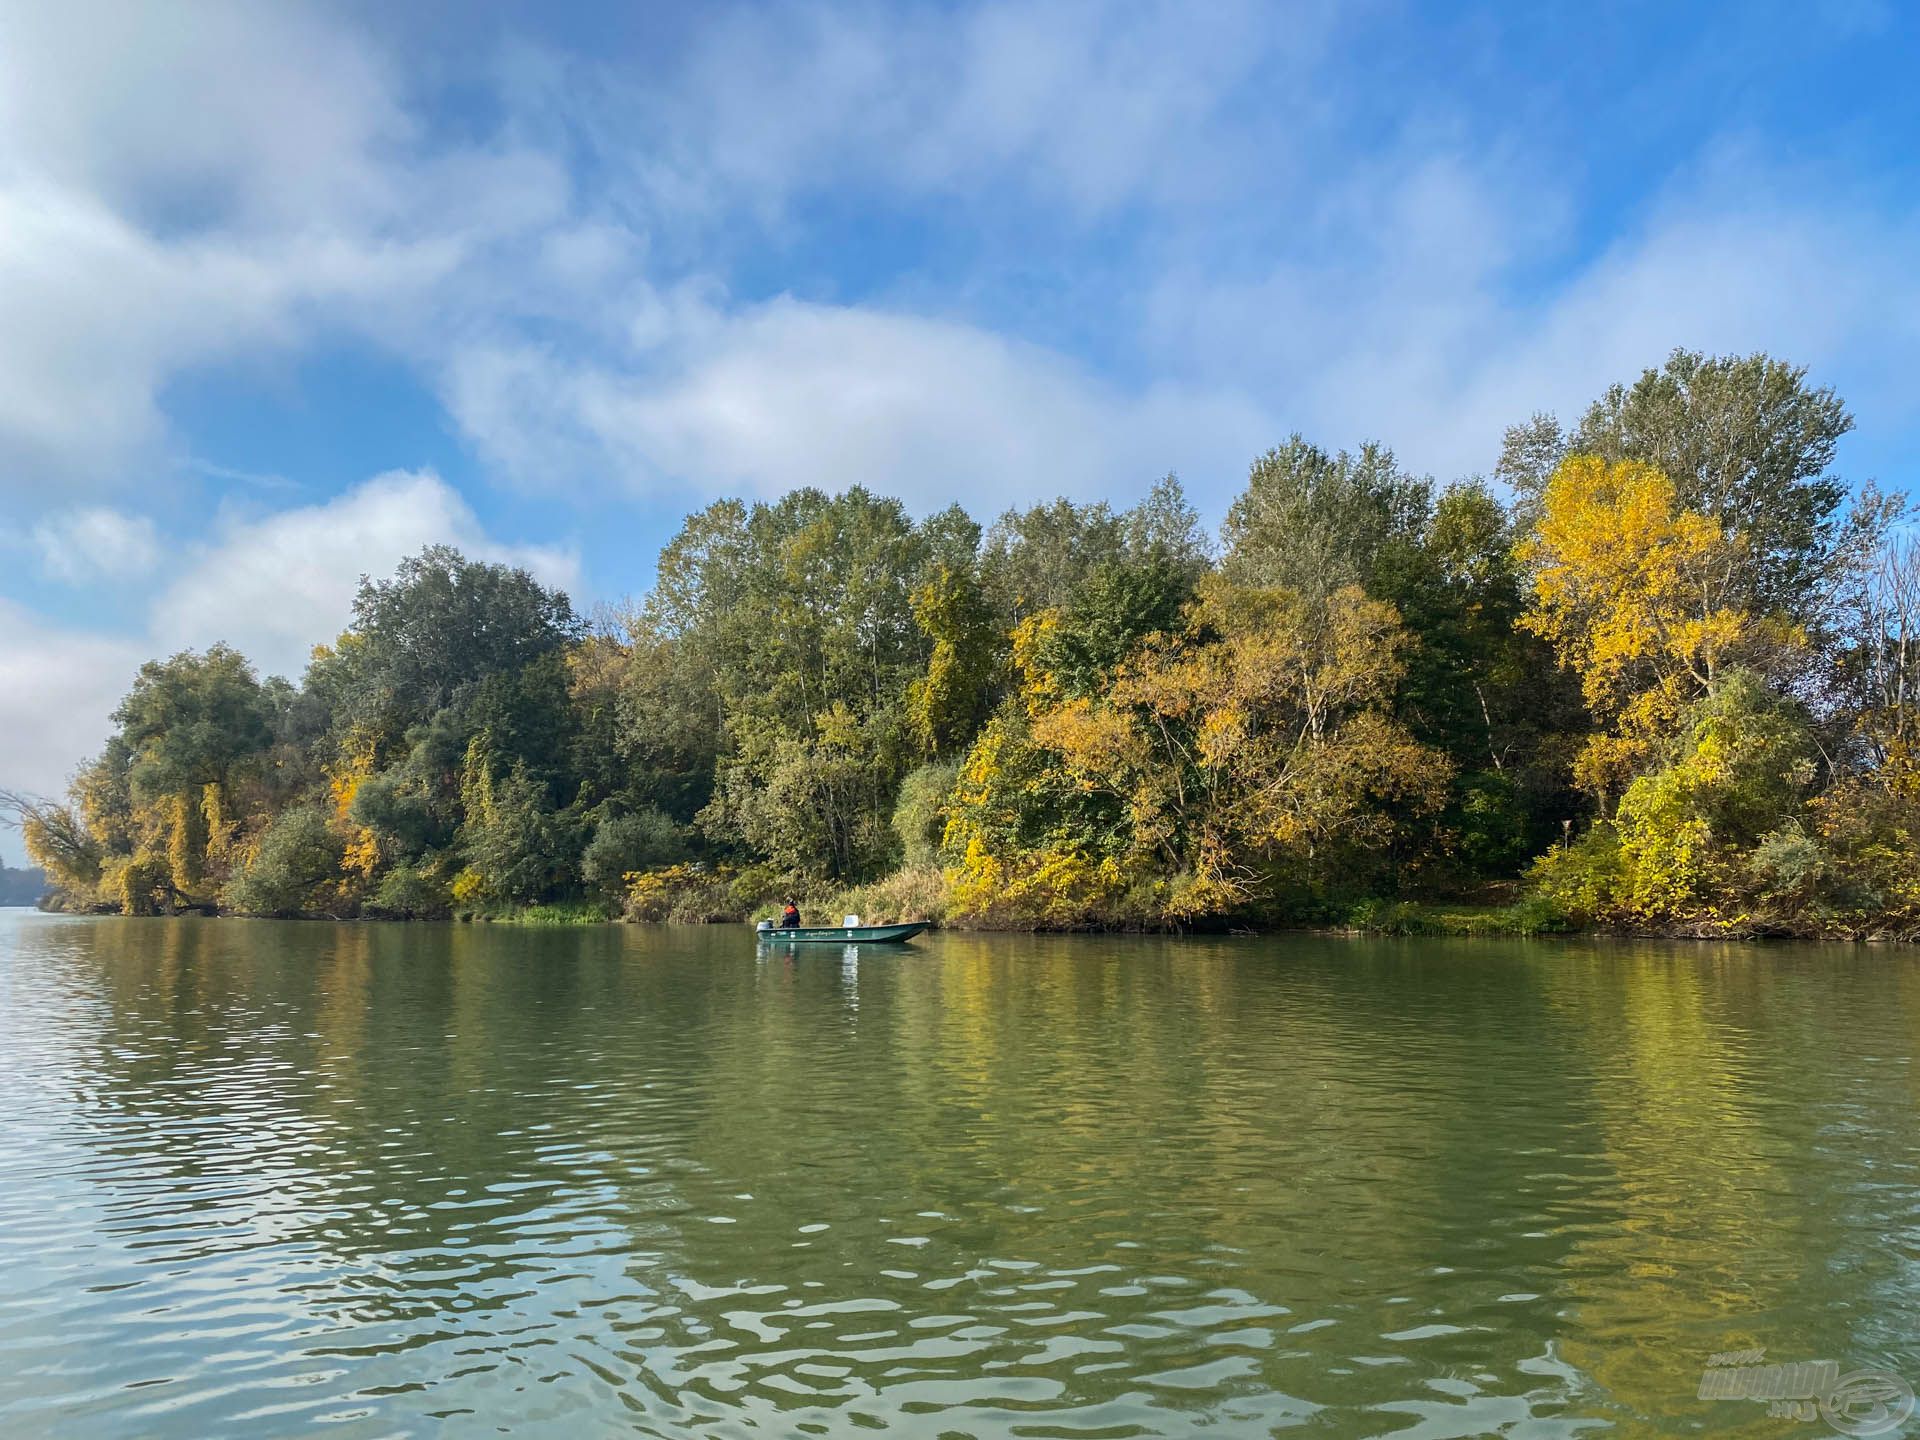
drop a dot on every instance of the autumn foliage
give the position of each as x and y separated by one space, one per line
1662 674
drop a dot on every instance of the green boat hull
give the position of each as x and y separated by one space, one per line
841 934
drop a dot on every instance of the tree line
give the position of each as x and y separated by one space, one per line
1657 672
21 887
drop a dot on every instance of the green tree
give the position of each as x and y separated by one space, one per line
1035 559
441 624
623 844
1118 604
188 724
1313 523
516 848
1040 558
1747 441
190 720
1479 688
808 669
669 725
816 803
946 705
920 812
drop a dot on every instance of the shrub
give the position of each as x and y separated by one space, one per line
688 894
912 894
567 912
1871 840
1393 917
1789 871
1584 881
1534 915
412 892
920 812
644 840
294 863
1741 768
1049 889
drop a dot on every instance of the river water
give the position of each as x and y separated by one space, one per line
263 1179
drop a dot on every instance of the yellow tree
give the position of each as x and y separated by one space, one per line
944 705
1254 741
1639 598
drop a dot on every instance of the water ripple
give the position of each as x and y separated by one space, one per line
422 1180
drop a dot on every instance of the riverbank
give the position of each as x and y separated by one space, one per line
901 901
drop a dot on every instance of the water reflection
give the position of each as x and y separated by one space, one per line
656 1182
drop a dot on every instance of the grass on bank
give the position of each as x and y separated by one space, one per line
565 912
1530 915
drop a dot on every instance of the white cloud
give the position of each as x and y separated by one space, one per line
275 586
128 143
58 688
176 195
237 111
95 543
788 394
1830 288
1406 315
98 315
1088 107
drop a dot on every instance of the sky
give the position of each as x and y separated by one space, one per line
289 291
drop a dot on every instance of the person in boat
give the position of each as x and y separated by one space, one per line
790 916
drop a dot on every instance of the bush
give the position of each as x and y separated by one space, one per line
913 894
1789 871
294 863
1584 881
644 840
1050 889
1533 915
412 892
920 812
1870 838
569 912
1393 917
690 894
1740 768
756 887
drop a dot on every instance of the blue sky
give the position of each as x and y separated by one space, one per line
287 291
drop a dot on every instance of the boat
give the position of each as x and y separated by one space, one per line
838 934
